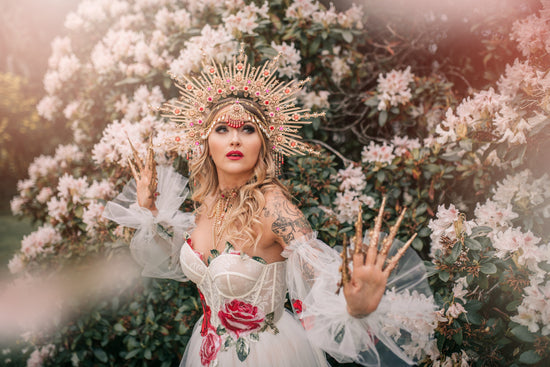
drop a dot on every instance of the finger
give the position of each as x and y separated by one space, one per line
386 244
136 156
392 263
133 170
358 239
375 235
358 261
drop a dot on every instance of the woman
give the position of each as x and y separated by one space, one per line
247 244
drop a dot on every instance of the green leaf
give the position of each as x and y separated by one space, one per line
444 276
101 355
458 337
382 118
147 354
131 354
522 333
488 268
455 253
472 244
243 349
348 36
529 357
119 328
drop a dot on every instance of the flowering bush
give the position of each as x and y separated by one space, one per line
391 129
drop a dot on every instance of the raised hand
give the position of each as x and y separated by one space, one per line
145 175
366 284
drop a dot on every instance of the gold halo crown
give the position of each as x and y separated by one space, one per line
240 82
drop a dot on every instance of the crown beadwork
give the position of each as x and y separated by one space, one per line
239 82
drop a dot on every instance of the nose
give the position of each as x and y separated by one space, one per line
235 138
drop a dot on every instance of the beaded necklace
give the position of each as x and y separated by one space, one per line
224 203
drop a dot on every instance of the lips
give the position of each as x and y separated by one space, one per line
234 155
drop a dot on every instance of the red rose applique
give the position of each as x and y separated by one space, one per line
210 346
206 318
297 305
239 317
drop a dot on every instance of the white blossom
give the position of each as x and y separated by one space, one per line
393 88
289 62
351 178
318 99
16 264
48 107
377 153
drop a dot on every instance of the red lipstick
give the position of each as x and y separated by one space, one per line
234 155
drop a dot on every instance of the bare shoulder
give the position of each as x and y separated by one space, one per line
287 222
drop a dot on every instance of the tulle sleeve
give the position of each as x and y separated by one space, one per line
158 239
398 333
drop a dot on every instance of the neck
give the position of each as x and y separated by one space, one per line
228 182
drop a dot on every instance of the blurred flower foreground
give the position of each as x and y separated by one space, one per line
465 161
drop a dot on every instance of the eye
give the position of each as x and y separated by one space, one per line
221 129
249 128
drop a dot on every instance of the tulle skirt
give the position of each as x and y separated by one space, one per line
289 348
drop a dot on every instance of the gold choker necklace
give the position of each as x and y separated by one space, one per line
224 203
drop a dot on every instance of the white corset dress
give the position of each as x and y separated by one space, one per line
245 322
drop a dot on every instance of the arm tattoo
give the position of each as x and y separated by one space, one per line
289 222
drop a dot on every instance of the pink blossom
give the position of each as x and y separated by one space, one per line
16 205
72 188
57 208
93 216
454 310
44 195
39 241
494 215
42 166
65 154
100 190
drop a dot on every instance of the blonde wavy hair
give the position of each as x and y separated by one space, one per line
242 223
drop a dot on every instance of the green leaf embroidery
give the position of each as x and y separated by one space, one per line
164 232
228 343
340 335
259 259
255 337
243 349
220 330
213 254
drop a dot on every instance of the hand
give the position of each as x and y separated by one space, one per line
146 177
367 282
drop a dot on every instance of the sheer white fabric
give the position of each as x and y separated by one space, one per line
158 239
394 334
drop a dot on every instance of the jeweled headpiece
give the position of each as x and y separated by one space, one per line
237 84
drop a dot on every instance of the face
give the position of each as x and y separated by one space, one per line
235 150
